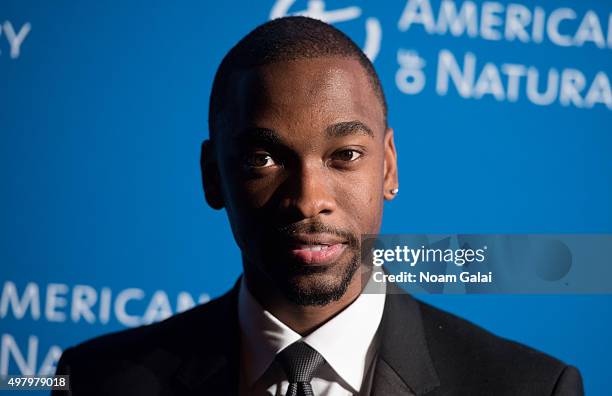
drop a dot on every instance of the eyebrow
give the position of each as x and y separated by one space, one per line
258 135
346 128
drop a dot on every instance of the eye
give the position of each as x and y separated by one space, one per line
347 155
259 160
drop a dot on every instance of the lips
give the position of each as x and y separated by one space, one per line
316 249
318 254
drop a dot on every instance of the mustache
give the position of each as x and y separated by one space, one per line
317 227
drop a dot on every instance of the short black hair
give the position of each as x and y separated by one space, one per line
284 39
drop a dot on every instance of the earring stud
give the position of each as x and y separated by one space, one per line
394 191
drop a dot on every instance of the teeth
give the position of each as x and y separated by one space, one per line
315 248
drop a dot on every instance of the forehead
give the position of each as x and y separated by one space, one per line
316 92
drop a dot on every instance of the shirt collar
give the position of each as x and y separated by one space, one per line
344 341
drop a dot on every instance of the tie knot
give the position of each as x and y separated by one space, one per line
299 361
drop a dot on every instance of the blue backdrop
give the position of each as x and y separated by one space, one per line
502 113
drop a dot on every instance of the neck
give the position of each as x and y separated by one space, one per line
303 319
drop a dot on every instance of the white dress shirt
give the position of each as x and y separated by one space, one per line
348 343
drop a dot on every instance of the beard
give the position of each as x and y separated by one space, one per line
307 285
312 286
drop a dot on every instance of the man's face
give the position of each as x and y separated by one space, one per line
303 164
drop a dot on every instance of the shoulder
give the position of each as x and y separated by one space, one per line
153 351
173 333
464 353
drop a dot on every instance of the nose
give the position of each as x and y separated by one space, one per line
310 192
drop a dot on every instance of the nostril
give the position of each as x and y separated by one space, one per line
326 211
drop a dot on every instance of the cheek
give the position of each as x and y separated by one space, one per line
245 200
255 194
246 208
245 193
361 198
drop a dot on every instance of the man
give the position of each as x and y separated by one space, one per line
302 159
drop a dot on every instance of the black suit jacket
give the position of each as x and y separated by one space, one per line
424 351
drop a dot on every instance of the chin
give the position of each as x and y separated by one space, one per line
318 285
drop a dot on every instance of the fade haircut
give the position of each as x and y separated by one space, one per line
278 40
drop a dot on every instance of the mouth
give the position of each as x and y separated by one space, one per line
316 249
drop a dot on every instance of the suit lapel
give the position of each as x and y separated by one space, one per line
404 364
213 366
387 382
213 375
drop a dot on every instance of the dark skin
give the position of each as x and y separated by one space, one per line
304 160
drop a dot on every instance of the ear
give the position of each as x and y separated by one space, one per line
390 181
210 176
